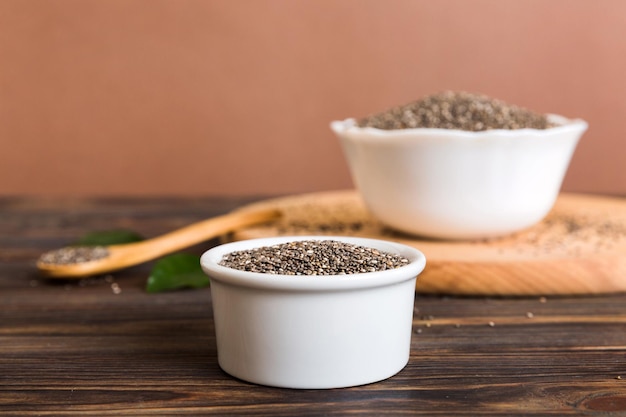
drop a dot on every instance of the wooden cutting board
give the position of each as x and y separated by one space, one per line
579 248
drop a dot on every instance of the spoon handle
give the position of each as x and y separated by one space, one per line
198 232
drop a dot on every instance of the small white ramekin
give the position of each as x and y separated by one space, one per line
455 184
313 331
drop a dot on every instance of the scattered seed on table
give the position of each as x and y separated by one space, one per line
116 288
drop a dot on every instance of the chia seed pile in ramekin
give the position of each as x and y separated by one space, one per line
313 257
457 110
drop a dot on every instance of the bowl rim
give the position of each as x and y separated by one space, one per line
210 259
348 127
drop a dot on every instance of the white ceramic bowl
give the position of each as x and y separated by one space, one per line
313 331
455 184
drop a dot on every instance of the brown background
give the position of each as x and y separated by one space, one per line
220 97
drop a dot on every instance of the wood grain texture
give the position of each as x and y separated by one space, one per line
77 348
577 249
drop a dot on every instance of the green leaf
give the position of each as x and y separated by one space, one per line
108 237
172 272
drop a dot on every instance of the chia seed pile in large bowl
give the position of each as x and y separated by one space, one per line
457 110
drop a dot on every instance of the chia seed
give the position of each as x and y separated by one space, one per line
457 110
74 255
313 257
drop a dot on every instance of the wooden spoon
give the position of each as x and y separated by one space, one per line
122 256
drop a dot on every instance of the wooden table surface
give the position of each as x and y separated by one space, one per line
103 346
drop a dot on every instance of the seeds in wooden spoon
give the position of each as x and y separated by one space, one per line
74 255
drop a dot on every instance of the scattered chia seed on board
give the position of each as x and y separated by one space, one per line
74 255
313 257
567 234
457 110
567 231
